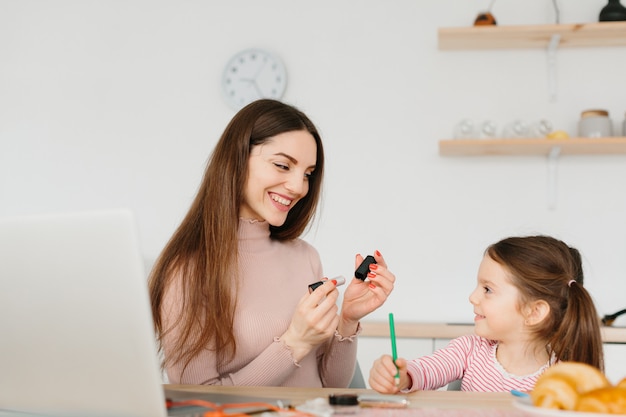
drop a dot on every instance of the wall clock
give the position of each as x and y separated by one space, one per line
253 74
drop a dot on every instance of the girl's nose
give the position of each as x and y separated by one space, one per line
472 297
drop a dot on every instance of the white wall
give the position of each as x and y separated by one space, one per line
117 103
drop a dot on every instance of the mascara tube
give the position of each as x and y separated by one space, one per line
339 280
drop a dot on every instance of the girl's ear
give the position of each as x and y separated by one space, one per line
536 311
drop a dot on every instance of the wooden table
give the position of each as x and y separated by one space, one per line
422 403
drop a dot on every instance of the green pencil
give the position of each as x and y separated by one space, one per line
394 351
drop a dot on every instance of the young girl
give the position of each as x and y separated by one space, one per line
229 292
531 310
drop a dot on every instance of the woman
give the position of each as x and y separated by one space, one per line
229 291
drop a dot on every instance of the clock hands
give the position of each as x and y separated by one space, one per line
258 72
252 81
255 77
256 87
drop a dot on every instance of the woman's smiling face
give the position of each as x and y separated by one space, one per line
278 176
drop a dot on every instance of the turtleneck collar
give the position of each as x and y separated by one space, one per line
253 229
254 236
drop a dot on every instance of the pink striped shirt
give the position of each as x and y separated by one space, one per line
470 358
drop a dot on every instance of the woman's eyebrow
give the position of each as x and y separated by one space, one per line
292 159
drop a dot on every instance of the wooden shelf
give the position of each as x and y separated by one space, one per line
571 146
532 36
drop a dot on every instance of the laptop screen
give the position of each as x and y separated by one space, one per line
75 321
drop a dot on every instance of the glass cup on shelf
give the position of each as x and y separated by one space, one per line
540 129
488 129
515 130
464 130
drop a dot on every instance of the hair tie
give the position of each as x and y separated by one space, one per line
569 284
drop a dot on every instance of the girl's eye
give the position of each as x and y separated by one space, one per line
281 166
487 290
308 175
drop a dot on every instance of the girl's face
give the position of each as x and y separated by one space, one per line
495 301
278 176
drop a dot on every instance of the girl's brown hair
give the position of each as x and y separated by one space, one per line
545 268
202 252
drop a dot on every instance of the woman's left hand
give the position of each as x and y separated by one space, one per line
363 297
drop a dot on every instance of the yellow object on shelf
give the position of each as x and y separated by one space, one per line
558 134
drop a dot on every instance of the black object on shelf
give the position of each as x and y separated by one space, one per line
610 318
614 11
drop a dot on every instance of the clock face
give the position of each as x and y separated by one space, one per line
253 74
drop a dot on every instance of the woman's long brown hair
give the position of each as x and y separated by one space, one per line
202 252
543 268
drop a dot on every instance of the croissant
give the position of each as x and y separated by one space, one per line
556 392
561 384
610 400
579 387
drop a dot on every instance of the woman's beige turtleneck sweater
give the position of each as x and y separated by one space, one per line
274 276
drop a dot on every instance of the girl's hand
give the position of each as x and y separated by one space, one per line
383 375
363 297
314 320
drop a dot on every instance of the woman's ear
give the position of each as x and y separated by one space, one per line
536 311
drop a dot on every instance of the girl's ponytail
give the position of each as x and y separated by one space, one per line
578 336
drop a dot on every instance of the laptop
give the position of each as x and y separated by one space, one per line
76 333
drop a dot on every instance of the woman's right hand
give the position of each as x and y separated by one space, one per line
383 375
314 320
